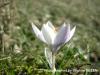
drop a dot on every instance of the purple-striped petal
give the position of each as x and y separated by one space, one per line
69 35
61 36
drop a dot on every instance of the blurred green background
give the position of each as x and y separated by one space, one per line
21 53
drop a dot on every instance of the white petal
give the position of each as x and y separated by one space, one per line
41 37
71 34
50 25
48 55
38 33
35 29
61 36
48 33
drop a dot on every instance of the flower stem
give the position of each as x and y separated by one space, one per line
53 64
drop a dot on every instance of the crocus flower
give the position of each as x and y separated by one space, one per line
55 39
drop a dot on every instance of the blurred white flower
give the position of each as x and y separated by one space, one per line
82 53
17 49
53 38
